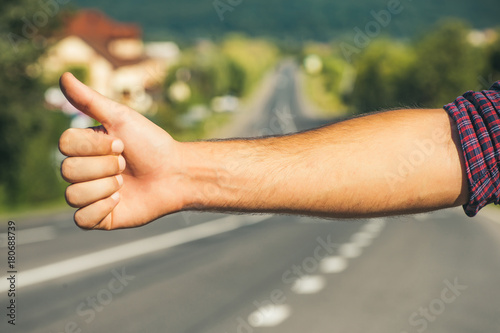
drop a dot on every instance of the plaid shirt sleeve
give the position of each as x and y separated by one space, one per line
477 115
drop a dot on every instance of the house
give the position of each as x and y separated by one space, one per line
111 57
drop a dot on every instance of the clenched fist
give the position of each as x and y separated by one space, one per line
124 173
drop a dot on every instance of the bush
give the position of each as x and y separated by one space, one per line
431 72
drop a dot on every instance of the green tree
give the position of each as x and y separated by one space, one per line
429 73
27 130
447 65
381 69
492 71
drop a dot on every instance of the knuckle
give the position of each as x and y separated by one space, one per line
80 220
85 147
92 143
72 197
68 169
65 141
80 142
69 195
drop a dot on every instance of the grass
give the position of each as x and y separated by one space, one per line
23 211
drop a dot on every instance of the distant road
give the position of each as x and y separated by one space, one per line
216 273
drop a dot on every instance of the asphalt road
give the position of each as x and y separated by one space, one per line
218 273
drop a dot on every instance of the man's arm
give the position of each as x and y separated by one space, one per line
395 162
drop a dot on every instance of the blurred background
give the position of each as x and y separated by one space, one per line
222 68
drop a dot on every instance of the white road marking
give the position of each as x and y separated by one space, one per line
350 250
131 250
269 316
422 216
309 284
353 249
374 226
380 221
333 264
32 235
362 239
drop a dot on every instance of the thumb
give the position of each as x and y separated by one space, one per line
90 102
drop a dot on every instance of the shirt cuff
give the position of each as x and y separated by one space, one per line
477 116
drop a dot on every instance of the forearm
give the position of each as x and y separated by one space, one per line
394 162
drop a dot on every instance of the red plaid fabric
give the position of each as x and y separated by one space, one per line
477 115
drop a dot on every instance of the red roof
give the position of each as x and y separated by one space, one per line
98 30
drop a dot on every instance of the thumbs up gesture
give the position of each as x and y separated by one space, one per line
124 173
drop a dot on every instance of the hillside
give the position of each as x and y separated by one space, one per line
289 19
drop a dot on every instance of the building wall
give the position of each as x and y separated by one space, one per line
127 84
70 51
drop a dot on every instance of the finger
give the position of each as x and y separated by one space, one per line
83 169
93 216
91 102
83 194
88 142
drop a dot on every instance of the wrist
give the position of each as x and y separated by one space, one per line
199 175
217 175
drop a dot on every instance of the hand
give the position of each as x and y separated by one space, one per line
124 173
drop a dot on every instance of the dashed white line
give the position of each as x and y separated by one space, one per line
362 239
333 264
374 226
422 216
270 315
309 284
350 250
